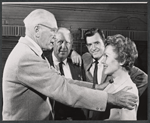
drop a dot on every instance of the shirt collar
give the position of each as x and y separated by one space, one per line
35 45
56 61
99 60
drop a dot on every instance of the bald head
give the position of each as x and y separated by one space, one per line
40 16
66 34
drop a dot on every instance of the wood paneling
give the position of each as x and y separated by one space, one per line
105 16
127 19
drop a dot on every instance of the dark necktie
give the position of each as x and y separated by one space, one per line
43 56
61 68
95 81
59 108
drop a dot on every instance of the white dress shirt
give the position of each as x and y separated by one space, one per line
66 68
99 70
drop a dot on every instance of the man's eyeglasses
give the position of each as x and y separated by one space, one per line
52 29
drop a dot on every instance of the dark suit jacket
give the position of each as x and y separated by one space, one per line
138 77
28 81
61 109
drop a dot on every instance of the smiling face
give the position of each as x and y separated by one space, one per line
111 65
95 45
62 45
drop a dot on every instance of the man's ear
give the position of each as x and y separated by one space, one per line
52 44
37 31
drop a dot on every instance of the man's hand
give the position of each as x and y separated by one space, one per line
76 58
101 86
123 99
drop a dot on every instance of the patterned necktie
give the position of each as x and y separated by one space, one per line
61 68
95 81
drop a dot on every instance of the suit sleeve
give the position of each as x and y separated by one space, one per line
139 78
34 73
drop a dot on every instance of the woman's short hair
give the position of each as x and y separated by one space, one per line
93 31
125 49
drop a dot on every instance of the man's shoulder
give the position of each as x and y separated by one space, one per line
137 71
86 55
75 70
72 64
87 59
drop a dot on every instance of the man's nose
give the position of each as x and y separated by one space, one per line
93 46
63 45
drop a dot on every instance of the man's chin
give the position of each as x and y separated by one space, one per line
107 73
96 56
62 56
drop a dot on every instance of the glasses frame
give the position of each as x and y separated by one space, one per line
52 29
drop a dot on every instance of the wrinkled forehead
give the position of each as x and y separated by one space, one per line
63 36
50 21
59 36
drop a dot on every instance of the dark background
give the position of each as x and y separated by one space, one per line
129 20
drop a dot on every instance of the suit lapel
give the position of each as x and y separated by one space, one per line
72 70
87 66
51 60
29 44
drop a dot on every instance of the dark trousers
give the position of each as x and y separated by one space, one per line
64 112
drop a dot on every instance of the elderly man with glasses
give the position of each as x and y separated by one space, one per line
28 79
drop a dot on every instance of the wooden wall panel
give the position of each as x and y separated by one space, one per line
120 18
133 17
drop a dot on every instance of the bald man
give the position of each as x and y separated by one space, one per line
60 60
28 79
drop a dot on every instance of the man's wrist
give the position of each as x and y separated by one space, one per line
111 100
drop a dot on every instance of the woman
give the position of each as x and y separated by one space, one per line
119 57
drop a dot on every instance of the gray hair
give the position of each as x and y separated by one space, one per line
39 16
66 32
